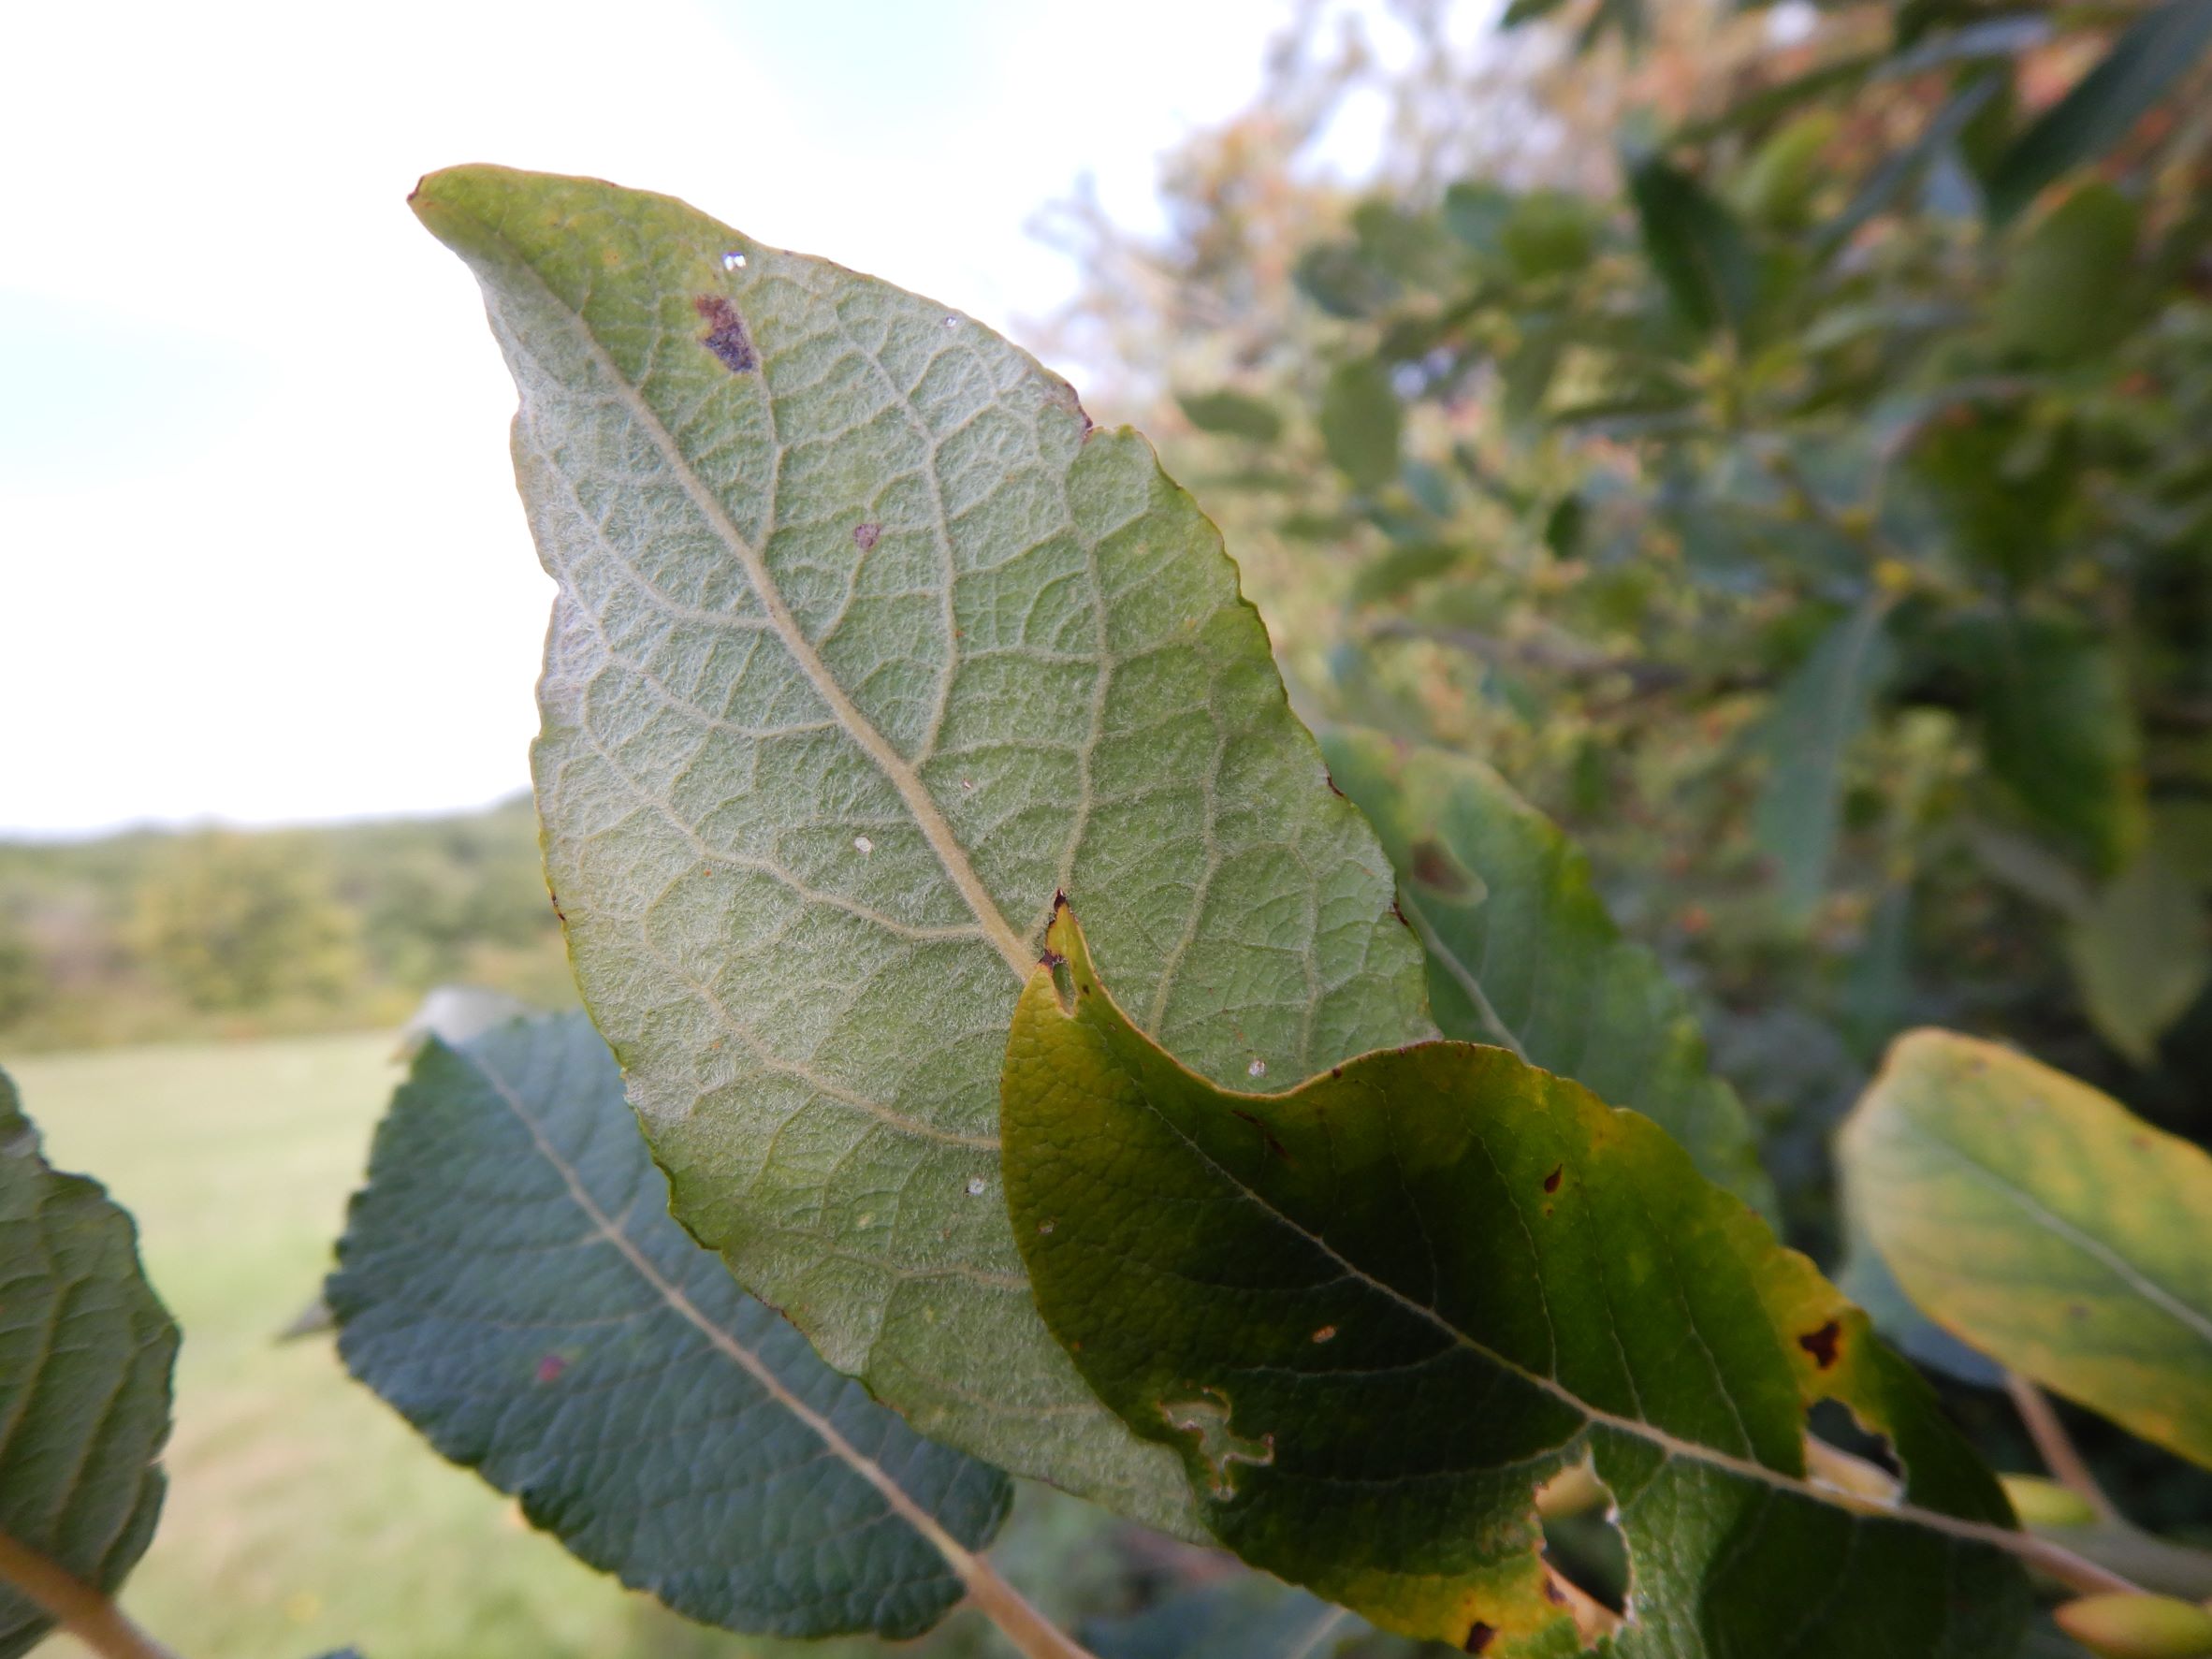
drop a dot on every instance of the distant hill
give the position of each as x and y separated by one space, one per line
153 935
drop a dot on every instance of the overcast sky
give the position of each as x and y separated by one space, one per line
261 557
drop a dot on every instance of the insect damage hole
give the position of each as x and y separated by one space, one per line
1206 1420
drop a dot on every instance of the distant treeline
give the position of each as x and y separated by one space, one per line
150 934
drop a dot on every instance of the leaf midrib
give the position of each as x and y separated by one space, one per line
963 1561
935 828
1670 1445
2048 1220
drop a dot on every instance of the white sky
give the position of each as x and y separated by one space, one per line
260 556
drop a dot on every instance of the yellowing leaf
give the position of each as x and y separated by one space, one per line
2038 1220
1375 1314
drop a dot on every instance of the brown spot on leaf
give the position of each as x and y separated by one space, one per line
1051 958
866 535
725 335
1822 1345
550 1368
1266 1134
1479 1637
1553 1593
1332 789
1336 1070
1551 1181
1434 867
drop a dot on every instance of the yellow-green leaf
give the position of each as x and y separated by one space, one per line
2033 1217
1375 1313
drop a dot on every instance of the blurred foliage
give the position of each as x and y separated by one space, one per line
1808 506
149 936
1776 443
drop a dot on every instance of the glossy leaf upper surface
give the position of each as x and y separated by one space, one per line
1372 1315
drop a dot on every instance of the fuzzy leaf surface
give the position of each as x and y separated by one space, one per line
865 642
2042 1222
1374 1313
511 1282
1521 953
86 1352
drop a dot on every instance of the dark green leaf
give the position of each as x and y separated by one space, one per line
1360 417
2067 290
1818 714
2103 108
86 1351
512 1283
1522 954
1375 1312
1235 414
2059 731
1697 248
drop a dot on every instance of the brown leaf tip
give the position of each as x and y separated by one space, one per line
1823 1345
725 335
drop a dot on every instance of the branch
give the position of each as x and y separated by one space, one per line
2054 1446
84 1612
1033 1634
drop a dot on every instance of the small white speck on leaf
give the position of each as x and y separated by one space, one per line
975 1186
733 260
967 783
1046 1227
862 845
1256 1069
951 321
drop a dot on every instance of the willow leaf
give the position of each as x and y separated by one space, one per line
86 1351
1522 951
865 642
512 1283
1373 1314
2039 1220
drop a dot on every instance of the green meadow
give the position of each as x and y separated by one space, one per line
303 1515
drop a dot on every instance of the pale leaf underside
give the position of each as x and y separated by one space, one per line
865 644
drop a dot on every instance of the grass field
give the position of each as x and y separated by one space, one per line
303 1515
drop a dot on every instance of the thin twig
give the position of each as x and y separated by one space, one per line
84 1612
2055 1445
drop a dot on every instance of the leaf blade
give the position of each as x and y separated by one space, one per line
1501 1259
1522 951
854 602
511 1283
86 1353
1995 1188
